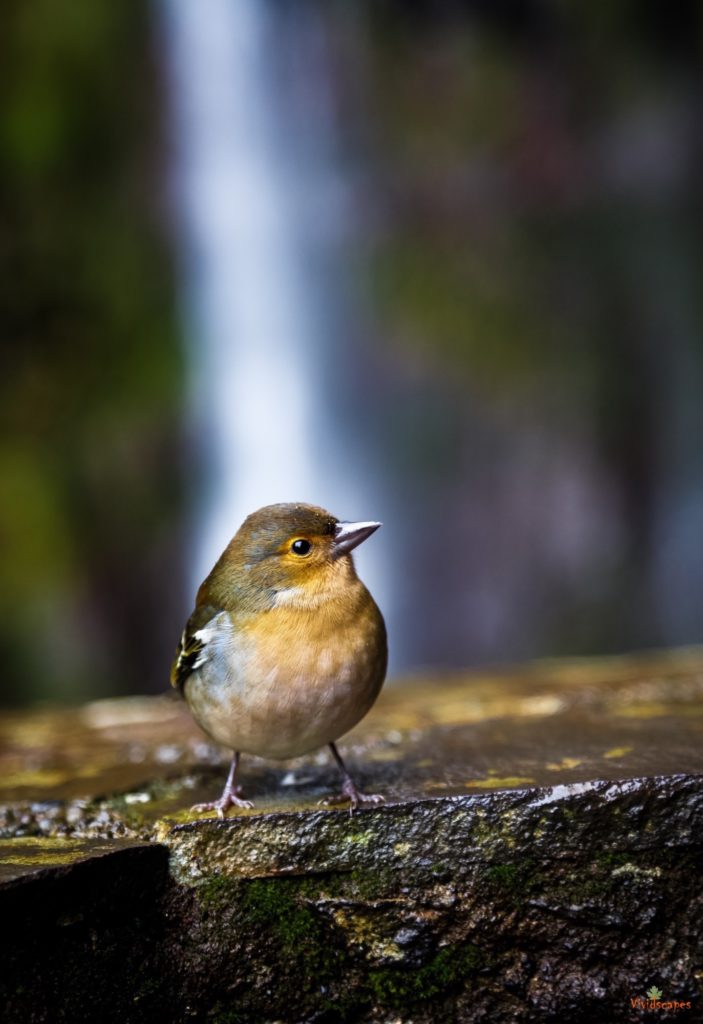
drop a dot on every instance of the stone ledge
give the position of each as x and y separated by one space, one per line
559 822
538 859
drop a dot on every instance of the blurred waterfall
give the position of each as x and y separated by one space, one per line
262 210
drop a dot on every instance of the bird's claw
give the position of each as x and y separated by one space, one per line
354 796
228 799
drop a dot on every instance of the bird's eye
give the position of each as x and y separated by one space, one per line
301 547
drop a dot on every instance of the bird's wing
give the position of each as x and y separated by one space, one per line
192 648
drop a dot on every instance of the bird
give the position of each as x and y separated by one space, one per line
286 649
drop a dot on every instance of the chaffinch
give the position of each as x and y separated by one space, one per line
286 649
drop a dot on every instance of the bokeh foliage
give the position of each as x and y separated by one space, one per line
90 488
536 265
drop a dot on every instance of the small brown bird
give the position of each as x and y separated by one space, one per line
286 649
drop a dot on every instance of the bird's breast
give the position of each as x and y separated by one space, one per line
286 681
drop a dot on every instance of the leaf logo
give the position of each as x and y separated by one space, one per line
654 992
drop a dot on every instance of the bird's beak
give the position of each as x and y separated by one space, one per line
347 536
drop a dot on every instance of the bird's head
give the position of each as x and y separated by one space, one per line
284 549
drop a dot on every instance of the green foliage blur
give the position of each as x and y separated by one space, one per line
538 161
90 489
536 272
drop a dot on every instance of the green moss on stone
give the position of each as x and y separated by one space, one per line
278 909
272 903
282 910
401 987
505 876
217 891
372 883
513 882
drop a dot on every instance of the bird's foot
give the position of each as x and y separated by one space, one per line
354 796
230 798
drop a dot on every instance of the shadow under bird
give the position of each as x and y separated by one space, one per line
286 649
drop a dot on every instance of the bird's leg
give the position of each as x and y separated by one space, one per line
349 790
230 794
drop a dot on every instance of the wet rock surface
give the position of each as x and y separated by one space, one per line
538 858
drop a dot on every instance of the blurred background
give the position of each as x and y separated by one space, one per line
436 264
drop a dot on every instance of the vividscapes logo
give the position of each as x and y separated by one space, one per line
654 1001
